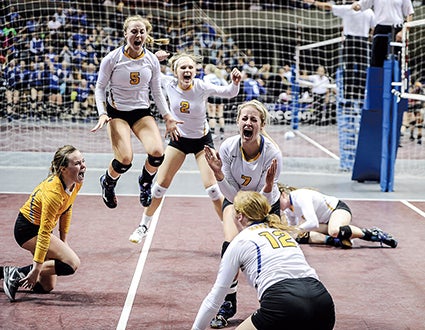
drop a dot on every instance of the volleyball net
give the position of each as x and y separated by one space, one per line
51 52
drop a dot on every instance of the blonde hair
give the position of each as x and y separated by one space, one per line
264 116
256 208
60 159
283 188
173 61
149 39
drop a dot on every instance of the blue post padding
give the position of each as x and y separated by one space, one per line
367 164
368 152
387 108
396 122
374 83
295 91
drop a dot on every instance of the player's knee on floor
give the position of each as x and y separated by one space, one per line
214 192
155 161
120 167
344 232
38 288
63 269
158 191
303 238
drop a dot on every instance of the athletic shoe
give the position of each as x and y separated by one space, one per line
344 244
378 235
108 193
145 193
138 235
226 311
11 281
218 322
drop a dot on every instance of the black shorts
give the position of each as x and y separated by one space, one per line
302 303
215 100
192 146
131 117
343 206
24 229
275 207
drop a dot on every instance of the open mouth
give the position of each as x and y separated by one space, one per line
81 176
187 76
137 43
247 133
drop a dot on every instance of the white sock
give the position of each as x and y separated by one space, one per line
146 220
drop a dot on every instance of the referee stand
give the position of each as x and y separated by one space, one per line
380 126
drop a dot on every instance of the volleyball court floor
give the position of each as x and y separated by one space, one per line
160 283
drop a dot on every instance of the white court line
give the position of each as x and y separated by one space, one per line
413 207
305 137
128 305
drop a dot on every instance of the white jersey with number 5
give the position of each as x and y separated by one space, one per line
129 81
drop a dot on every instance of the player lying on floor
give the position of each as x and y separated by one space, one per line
324 219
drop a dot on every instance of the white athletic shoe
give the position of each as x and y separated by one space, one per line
138 235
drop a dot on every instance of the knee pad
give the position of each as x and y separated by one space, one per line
158 191
303 238
120 167
63 269
155 161
38 288
344 232
224 247
214 192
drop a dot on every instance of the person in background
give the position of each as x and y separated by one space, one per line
321 94
324 219
128 75
49 204
290 293
357 28
389 16
215 104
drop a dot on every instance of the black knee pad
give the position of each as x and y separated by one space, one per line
119 167
303 238
224 247
344 232
38 288
155 161
63 269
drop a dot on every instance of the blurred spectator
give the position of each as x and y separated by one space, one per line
215 105
65 54
36 45
253 89
32 25
79 55
13 17
11 76
321 91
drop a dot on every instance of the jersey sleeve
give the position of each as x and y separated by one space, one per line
229 267
306 206
227 91
105 71
51 202
156 90
228 186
